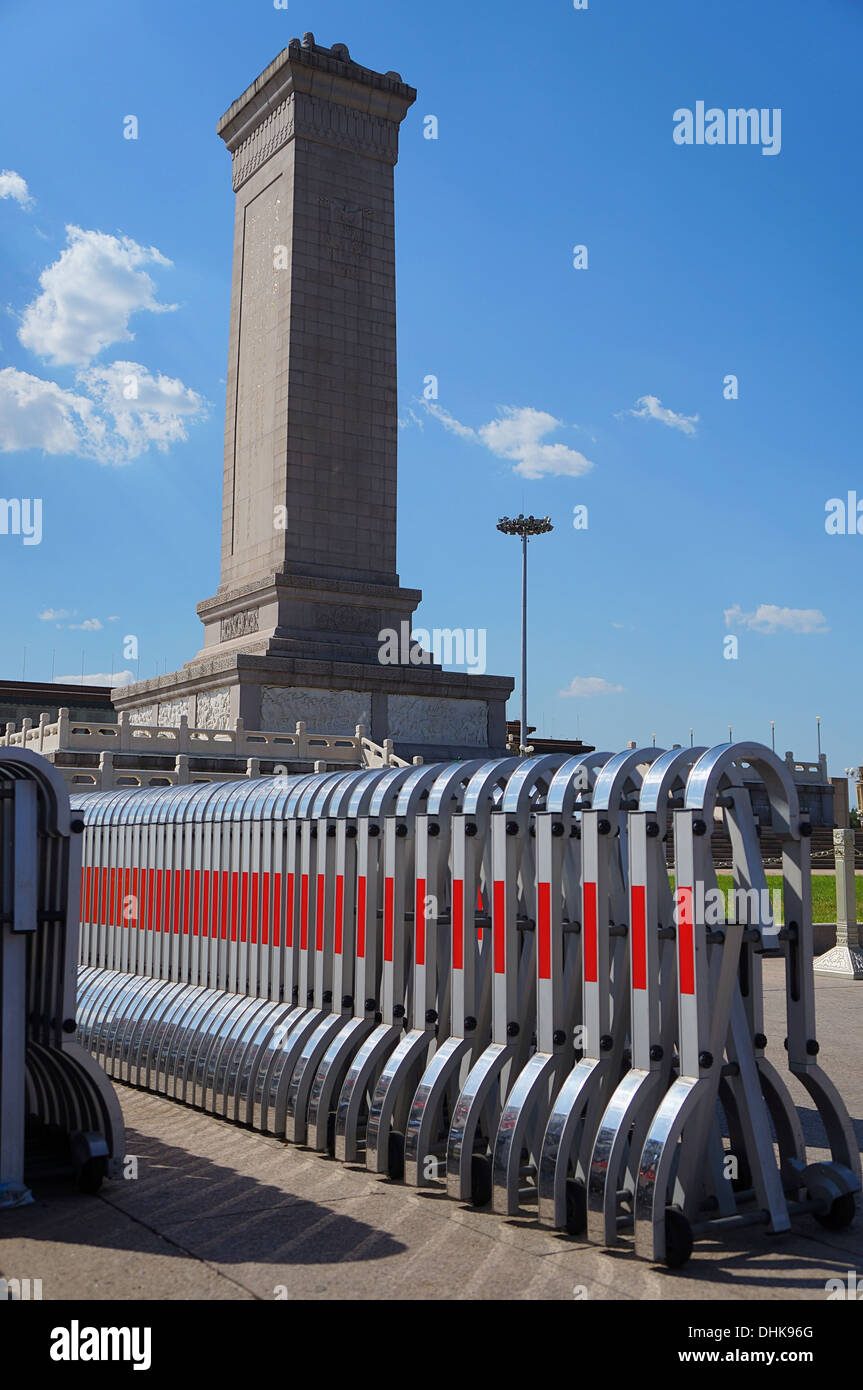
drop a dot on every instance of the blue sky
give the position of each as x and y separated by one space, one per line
706 516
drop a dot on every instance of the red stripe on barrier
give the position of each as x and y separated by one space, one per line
685 941
304 912
222 901
289 913
543 926
420 922
81 903
244 906
234 887
128 898
255 878
169 901
389 894
103 916
638 898
591 942
340 912
265 910
187 899
498 924
361 916
136 901
88 901
458 924
277 906
196 903
319 915
151 894
205 910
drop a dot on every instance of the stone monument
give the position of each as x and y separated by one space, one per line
308 573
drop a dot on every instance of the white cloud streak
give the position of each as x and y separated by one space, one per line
651 408
13 186
517 436
97 678
769 617
585 687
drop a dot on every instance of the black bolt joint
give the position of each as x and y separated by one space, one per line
705 1060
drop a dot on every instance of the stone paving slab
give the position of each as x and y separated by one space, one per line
221 1213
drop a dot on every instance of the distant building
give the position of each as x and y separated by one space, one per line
21 700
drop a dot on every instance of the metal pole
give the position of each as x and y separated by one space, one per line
818 725
773 734
524 643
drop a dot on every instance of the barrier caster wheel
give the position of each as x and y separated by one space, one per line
396 1155
88 1179
839 1214
678 1238
331 1134
576 1207
480 1180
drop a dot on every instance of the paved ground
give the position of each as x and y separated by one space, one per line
221 1213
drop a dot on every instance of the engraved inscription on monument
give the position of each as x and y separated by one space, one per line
344 234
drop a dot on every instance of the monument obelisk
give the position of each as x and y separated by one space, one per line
308 573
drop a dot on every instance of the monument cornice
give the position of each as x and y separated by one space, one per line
318 94
308 586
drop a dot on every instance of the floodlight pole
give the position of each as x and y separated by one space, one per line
523 740
524 527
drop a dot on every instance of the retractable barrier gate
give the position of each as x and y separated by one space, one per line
56 1106
477 975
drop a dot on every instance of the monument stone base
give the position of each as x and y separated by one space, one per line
425 710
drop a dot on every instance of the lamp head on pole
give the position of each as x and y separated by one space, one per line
525 525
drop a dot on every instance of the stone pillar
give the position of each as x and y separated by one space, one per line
845 958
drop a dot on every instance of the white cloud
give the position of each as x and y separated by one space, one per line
51 615
98 678
517 435
88 625
13 186
653 409
88 296
37 414
102 425
155 412
586 686
114 618
769 617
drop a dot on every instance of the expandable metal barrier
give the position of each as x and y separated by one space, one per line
477 976
56 1108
